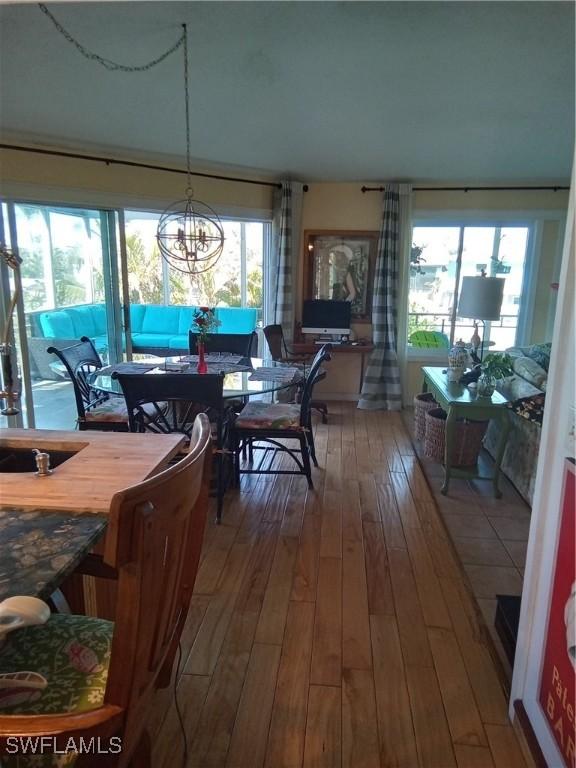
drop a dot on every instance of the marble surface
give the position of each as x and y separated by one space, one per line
39 548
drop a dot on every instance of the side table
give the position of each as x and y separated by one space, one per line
458 401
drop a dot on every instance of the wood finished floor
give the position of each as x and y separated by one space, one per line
334 628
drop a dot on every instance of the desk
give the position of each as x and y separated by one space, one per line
458 401
308 348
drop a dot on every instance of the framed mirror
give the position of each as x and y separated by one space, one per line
339 265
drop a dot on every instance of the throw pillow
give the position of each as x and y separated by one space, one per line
530 370
540 353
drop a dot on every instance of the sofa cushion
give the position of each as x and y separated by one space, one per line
137 312
82 321
236 319
269 416
540 353
179 342
161 319
57 325
514 387
185 320
99 318
151 340
529 370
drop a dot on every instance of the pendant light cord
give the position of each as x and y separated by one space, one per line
189 190
107 63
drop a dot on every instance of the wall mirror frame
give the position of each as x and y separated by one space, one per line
339 265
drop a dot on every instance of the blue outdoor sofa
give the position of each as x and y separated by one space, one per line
155 328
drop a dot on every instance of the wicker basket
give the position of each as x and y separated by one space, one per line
422 403
468 436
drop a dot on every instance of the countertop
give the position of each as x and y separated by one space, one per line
41 547
105 463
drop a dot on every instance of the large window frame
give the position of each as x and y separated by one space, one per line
532 221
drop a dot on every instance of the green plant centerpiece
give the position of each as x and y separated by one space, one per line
496 366
204 322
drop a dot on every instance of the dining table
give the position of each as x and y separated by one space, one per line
244 377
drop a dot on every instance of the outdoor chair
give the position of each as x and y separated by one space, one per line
166 403
96 410
103 676
262 425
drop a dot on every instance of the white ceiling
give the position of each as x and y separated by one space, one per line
336 91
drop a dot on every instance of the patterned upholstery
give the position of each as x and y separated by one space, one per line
258 415
73 654
112 410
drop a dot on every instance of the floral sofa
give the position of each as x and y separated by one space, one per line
155 329
526 390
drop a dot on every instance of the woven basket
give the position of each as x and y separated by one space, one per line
468 436
422 403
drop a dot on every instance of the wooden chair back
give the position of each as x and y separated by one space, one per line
275 339
154 540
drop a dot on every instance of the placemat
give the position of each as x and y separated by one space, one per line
127 368
214 358
275 374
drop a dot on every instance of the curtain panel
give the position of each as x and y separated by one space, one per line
284 269
382 389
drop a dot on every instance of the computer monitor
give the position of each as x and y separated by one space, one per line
324 316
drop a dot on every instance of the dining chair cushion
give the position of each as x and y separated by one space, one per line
71 652
113 409
258 415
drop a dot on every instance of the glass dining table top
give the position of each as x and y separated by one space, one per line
243 377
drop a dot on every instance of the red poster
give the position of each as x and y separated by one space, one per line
558 671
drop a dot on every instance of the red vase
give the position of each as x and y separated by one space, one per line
202 367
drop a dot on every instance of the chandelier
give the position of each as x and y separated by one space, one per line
190 235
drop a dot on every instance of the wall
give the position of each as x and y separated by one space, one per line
32 177
344 206
326 206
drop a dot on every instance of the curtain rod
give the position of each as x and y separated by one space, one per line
133 164
470 189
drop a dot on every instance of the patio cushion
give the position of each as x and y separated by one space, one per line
137 312
152 340
82 320
57 325
179 342
236 320
73 654
185 320
99 318
161 319
258 415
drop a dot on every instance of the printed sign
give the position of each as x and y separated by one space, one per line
559 667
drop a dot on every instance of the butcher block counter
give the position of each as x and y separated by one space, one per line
100 464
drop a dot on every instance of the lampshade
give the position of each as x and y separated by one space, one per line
481 298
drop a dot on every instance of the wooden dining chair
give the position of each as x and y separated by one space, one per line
102 676
96 410
244 344
263 425
166 403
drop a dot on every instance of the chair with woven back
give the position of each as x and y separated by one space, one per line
280 352
96 410
102 676
165 403
263 425
243 344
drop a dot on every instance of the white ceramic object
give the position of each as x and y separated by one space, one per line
16 612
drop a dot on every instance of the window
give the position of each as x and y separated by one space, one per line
236 281
440 256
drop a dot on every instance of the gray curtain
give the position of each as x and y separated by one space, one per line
285 255
381 389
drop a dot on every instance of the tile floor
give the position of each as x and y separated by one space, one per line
490 535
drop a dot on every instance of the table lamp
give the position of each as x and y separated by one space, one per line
481 299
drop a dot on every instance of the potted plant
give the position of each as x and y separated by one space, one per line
496 365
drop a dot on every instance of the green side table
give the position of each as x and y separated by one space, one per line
458 401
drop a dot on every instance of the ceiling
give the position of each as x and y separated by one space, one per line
333 91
